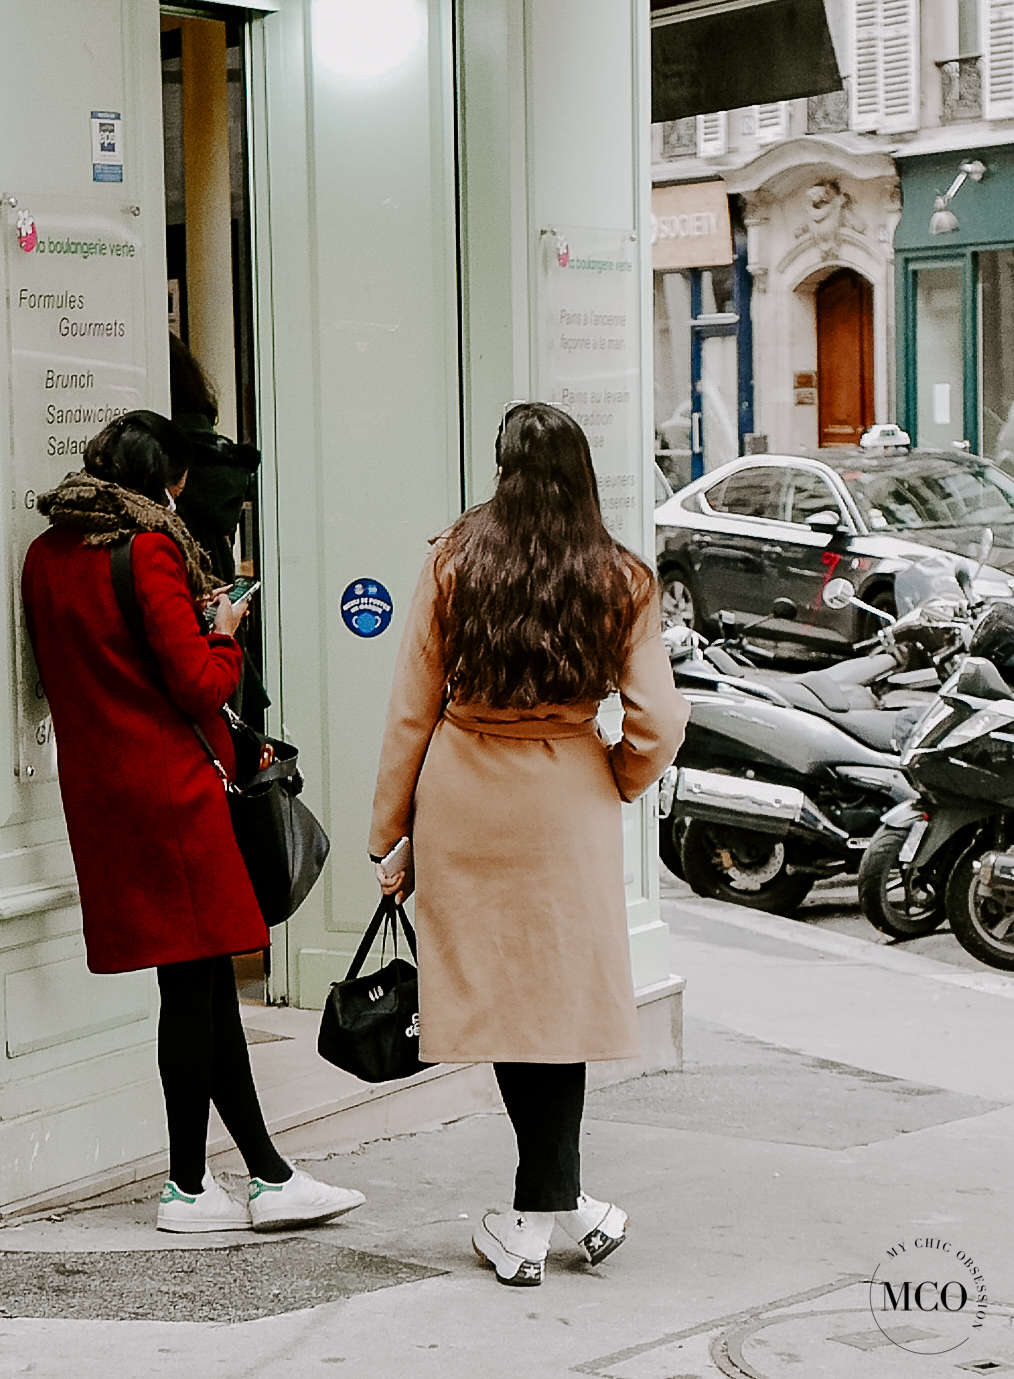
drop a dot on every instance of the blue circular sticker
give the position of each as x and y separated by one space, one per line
367 608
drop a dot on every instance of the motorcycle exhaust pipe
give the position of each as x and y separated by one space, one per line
996 873
755 804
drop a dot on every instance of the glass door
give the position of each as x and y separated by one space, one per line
939 355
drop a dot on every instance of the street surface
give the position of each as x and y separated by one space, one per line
834 905
841 1097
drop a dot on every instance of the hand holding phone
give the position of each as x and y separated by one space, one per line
394 872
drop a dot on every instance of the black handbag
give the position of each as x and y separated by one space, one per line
370 1025
281 842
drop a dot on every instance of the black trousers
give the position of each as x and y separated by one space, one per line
203 1058
545 1102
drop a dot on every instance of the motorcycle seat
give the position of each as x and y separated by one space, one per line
859 714
818 691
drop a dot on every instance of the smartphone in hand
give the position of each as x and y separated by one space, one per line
398 859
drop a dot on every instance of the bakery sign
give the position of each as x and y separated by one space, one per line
690 226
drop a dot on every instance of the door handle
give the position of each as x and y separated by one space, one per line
772 550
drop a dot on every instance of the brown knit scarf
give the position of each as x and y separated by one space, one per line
108 513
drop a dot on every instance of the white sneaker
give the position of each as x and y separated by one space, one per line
301 1201
514 1246
211 1209
598 1227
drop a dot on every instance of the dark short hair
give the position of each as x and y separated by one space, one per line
140 450
190 389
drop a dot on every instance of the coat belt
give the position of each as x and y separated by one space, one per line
532 728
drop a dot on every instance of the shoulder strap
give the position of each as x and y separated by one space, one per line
126 596
123 587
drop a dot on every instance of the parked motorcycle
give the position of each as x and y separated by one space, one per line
782 779
952 845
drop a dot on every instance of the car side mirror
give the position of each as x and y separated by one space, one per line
784 608
827 520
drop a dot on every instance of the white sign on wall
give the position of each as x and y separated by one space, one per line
75 336
589 350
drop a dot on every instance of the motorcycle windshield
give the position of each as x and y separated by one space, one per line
927 580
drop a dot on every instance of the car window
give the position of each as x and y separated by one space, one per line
932 491
809 493
749 493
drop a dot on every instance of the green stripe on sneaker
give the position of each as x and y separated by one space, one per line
171 1193
258 1185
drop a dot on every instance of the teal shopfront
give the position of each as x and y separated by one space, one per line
955 284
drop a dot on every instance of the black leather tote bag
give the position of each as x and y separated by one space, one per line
370 1025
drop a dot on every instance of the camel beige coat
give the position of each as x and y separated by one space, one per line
518 849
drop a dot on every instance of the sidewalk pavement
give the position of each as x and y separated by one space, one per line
840 1098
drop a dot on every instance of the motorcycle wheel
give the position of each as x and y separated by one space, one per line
888 897
739 865
669 835
982 924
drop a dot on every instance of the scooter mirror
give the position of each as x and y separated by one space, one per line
784 608
838 594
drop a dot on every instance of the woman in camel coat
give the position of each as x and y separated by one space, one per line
526 614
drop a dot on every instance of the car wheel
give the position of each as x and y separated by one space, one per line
678 605
895 899
670 836
869 625
742 866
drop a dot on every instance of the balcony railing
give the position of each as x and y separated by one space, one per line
960 89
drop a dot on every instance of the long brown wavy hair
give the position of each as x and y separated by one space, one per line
542 599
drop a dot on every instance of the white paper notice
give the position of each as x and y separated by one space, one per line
941 404
589 337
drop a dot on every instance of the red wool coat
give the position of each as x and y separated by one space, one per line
160 874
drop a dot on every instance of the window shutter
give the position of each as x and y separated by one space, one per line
998 60
899 47
865 84
713 134
772 121
885 65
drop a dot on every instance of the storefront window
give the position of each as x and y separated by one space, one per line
996 298
718 290
672 376
939 363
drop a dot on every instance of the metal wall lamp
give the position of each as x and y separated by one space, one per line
943 220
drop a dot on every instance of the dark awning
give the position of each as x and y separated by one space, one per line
723 54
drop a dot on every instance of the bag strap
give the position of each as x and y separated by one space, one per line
122 570
123 587
387 912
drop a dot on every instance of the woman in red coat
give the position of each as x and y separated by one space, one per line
161 878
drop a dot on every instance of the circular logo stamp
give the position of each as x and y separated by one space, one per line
928 1295
367 608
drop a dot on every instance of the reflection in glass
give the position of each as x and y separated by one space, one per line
996 297
672 376
939 368
719 399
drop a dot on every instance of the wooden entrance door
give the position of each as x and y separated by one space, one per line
844 358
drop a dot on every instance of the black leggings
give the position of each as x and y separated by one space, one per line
202 1058
545 1102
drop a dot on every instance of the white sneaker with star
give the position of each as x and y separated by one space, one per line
598 1227
300 1201
516 1244
211 1209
